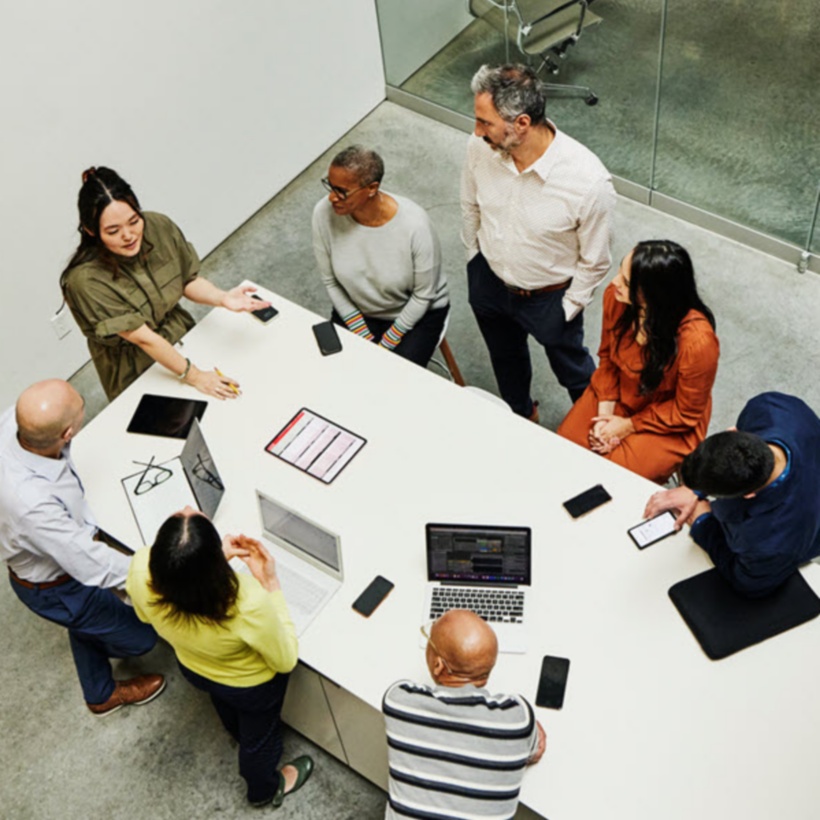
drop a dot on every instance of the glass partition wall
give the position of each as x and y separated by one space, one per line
707 110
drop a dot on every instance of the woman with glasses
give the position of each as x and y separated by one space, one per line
124 283
649 402
232 635
379 258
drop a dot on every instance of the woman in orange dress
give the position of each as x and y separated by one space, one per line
650 400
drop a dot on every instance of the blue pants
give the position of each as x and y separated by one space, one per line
100 626
419 343
506 320
251 715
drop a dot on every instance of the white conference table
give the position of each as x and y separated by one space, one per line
650 727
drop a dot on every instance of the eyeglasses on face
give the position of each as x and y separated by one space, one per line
341 193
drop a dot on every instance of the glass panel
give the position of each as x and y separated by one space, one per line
432 51
739 127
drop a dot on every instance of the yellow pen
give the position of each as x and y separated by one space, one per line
222 376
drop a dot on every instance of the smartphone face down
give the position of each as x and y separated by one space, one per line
375 593
587 501
327 338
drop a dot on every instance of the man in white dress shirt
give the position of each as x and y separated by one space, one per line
537 210
56 566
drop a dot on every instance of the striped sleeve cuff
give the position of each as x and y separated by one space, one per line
356 324
392 336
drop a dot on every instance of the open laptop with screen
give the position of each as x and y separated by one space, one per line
482 568
160 490
308 563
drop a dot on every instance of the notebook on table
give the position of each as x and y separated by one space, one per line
486 569
308 559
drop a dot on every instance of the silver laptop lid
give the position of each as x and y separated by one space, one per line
301 536
201 471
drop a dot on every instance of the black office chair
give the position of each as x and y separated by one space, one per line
541 28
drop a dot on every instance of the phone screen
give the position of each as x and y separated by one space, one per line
653 530
263 314
327 338
375 593
587 501
553 682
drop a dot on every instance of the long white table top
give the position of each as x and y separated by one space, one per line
650 727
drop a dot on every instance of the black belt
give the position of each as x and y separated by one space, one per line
45 585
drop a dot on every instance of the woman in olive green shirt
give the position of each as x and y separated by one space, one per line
124 283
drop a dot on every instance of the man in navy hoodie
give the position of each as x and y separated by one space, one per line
751 495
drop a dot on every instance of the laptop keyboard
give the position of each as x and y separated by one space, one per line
494 605
301 593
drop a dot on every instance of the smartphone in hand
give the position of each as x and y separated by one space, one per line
263 314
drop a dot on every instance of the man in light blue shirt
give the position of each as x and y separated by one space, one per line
56 566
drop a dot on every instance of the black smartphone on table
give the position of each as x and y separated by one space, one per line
327 338
263 314
376 592
552 682
587 501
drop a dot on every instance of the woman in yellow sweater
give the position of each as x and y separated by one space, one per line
232 635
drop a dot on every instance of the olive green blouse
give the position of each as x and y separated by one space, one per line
145 291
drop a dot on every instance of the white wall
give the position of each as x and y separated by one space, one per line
414 30
207 107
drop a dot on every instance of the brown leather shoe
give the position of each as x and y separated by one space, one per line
131 692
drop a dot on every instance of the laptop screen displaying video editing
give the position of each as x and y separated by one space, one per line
474 554
307 538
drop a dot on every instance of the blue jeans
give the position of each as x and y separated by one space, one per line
506 320
251 714
100 626
419 343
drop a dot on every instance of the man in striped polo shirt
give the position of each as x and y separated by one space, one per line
455 750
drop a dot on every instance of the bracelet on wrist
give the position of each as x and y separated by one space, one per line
184 374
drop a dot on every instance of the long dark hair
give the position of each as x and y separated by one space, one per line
189 572
101 186
661 283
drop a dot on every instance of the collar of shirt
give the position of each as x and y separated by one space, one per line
544 164
52 469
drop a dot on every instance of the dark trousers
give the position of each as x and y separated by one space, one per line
419 343
252 717
506 320
100 626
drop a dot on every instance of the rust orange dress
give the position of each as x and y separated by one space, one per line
670 422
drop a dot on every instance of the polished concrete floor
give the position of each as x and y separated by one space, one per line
171 758
739 116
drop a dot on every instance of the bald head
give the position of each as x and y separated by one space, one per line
49 414
464 643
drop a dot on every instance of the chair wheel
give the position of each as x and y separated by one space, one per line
591 100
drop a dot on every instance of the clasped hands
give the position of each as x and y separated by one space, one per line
608 431
254 555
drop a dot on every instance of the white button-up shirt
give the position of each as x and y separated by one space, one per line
46 526
548 224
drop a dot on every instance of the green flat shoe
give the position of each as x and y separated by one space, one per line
304 769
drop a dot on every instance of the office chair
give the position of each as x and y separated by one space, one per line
541 28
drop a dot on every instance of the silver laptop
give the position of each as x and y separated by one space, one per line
485 569
308 561
160 490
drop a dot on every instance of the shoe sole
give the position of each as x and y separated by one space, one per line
133 703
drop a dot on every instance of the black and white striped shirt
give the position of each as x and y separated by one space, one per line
456 752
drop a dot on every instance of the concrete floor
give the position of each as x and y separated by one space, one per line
171 759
